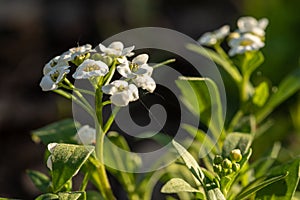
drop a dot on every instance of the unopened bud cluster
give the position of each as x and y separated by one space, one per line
226 166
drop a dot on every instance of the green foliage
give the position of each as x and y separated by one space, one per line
261 94
287 87
61 131
40 180
67 160
240 141
176 185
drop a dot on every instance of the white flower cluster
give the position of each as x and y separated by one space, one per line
92 63
248 37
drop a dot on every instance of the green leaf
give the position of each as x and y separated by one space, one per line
215 194
235 140
60 132
252 60
116 155
253 187
227 66
71 195
93 195
40 180
67 159
286 88
190 162
261 94
176 185
285 188
201 96
47 196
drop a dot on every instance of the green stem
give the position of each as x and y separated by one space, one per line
235 120
163 63
85 181
76 100
79 90
100 135
111 119
244 90
111 73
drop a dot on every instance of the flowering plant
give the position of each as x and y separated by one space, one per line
214 166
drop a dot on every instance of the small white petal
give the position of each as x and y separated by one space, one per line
208 39
222 32
51 146
49 162
134 92
140 59
145 70
116 45
263 23
145 82
47 83
125 71
86 135
128 51
120 99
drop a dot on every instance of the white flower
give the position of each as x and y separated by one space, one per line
138 66
211 38
244 43
86 135
251 25
58 61
121 92
72 53
145 82
90 68
116 49
51 80
51 147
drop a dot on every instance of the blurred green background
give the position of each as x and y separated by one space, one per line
34 31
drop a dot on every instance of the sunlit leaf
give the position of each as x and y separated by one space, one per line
67 159
261 94
177 185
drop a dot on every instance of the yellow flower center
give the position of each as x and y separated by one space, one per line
133 67
246 43
92 67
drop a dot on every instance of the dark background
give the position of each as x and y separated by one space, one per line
34 31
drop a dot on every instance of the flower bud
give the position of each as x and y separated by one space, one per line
235 167
218 159
217 168
226 164
236 155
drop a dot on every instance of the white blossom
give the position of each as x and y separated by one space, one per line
211 38
86 135
145 82
51 80
251 25
121 92
90 68
244 43
138 66
78 51
57 61
116 49
50 147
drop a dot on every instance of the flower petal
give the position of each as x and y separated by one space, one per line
47 83
140 59
134 92
120 98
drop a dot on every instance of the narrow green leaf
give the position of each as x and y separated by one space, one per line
201 96
47 196
286 88
285 188
215 194
71 195
176 185
67 159
60 132
261 94
253 187
40 180
235 140
93 195
251 61
228 67
190 162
